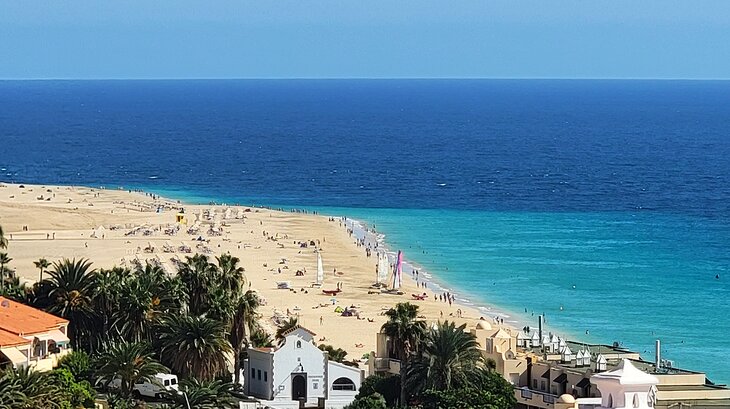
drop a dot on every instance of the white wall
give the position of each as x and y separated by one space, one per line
259 362
337 370
287 360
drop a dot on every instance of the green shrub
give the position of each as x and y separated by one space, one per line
79 393
77 362
466 398
388 387
374 401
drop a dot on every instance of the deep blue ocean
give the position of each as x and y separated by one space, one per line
603 204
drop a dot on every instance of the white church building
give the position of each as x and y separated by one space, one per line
624 387
298 373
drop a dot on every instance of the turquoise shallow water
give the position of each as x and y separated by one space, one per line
636 276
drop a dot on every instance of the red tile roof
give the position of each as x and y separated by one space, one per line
8 339
20 319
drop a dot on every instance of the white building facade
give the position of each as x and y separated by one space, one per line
297 371
626 387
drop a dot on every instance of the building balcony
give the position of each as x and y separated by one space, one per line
48 361
529 397
388 365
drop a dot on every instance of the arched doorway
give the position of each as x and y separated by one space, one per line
299 386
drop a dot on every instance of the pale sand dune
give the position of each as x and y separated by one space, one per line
74 223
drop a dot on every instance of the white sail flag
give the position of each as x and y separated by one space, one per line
383 268
320 269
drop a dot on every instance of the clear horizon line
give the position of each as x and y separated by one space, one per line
364 78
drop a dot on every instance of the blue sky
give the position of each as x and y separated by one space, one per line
372 39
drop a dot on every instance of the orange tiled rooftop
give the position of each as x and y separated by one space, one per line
8 339
20 319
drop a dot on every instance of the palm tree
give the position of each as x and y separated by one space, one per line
231 274
130 363
39 389
167 292
195 394
11 391
194 346
3 240
71 287
13 289
4 259
242 323
197 275
41 265
260 338
334 354
108 285
450 358
221 305
145 295
285 327
405 331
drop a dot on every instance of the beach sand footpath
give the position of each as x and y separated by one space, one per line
55 222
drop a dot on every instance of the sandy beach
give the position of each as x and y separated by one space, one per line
113 227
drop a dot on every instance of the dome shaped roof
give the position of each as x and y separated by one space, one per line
483 325
565 398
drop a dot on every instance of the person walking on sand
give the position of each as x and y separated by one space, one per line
320 320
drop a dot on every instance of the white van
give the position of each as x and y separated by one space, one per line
162 383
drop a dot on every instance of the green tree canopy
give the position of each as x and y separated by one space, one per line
129 363
194 346
70 288
213 394
3 239
450 358
405 331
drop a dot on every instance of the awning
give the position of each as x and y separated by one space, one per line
15 356
55 335
583 383
562 378
546 375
